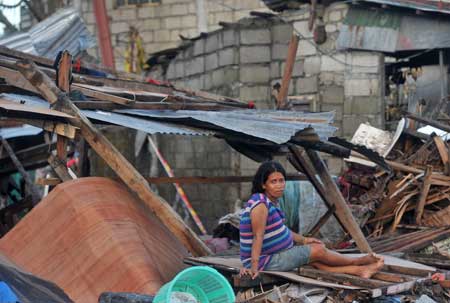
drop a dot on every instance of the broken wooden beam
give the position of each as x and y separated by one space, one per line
288 67
423 194
342 209
109 153
60 168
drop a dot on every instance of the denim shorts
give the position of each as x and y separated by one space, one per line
289 259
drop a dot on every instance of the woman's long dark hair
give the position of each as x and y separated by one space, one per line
263 172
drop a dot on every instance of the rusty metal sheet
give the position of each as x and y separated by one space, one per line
90 235
391 31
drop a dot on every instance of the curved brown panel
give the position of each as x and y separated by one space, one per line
89 236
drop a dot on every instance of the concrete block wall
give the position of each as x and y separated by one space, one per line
242 61
348 82
161 24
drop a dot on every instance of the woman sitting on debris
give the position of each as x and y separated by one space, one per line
267 244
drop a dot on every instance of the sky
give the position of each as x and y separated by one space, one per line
13 15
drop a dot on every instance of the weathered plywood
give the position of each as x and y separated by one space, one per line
90 235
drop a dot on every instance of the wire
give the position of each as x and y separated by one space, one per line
11 6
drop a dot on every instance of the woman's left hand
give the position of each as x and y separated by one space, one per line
310 240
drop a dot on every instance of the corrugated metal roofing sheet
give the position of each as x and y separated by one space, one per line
64 30
19 131
391 31
151 127
274 126
423 5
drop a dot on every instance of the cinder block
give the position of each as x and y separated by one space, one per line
189 21
333 94
212 43
194 66
282 33
255 93
147 36
179 9
254 54
199 47
331 78
297 69
312 65
351 122
363 105
179 69
307 85
119 27
211 62
306 48
303 29
336 63
228 56
229 37
123 14
172 22
362 87
218 77
255 36
151 24
275 71
145 12
364 62
162 35
338 109
279 51
254 73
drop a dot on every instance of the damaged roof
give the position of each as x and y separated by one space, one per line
275 126
422 5
64 30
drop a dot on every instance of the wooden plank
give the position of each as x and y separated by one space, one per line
290 61
396 288
48 181
59 167
16 79
426 121
62 129
30 187
443 152
103 96
390 277
106 105
423 194
340 278
64 71
342 209
129 175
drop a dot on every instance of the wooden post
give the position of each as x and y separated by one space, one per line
290 61
31 189
423 194
108 152
342 209
59 167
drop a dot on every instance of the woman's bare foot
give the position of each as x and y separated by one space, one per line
367 271
367 259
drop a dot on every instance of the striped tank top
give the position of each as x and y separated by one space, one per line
277 236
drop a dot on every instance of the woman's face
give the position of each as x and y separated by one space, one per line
274 186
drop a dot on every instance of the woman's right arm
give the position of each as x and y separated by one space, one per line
258 217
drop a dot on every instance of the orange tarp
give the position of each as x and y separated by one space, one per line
89 236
